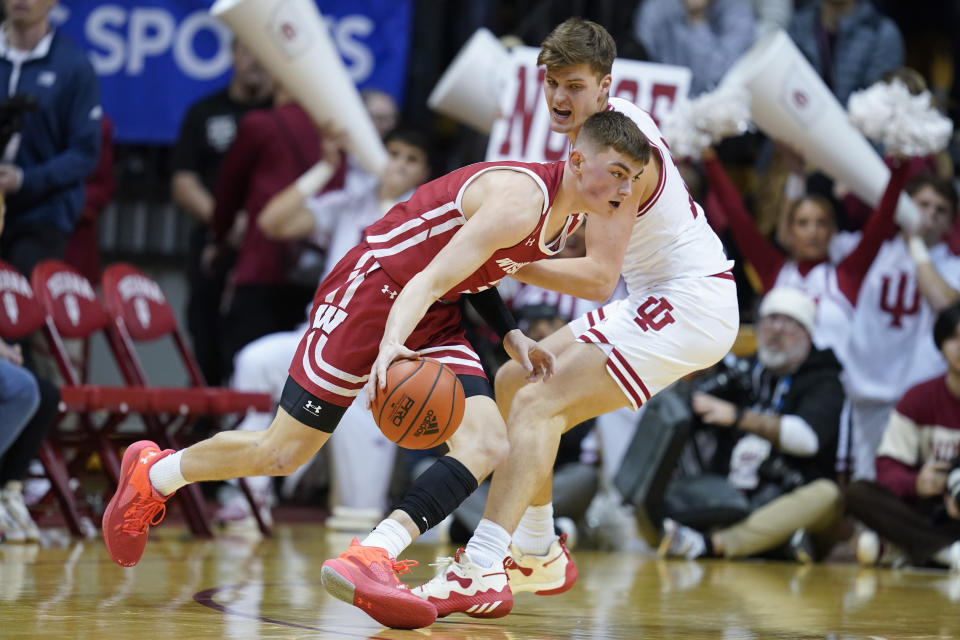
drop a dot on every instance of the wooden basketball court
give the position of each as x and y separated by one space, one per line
235 587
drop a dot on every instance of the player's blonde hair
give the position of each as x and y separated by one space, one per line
577 41
614 129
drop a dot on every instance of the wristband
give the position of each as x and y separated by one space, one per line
738 416
918 250
314 179
490 306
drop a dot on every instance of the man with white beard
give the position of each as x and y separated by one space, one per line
782 441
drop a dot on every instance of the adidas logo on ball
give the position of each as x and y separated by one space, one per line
429 425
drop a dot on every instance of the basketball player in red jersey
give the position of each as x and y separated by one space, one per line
680 315
457 235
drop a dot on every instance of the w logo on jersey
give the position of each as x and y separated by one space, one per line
328 317
654 314
509 266
899 306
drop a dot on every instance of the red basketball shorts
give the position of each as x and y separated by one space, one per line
346 324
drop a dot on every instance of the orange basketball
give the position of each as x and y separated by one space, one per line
422 404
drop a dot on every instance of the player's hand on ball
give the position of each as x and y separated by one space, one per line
389 352
537 361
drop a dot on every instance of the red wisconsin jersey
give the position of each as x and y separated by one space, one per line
408 237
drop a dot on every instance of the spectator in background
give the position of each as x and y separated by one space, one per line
707 36
382 110
809 226
890 347
848 42
44 166
770 15
273 148
784 439
19 399
208 129
911 504
83 248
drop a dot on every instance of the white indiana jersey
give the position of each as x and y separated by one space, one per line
834 311
671 238
891 344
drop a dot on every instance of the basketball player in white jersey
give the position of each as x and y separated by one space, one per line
680 316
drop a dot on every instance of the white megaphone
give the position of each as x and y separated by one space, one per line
471 88
289 38
790 102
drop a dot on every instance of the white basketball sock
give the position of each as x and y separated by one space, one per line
535 533
488 545
389 535
165 474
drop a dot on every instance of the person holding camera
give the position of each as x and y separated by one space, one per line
778 439
913 502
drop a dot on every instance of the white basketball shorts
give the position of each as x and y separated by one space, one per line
656 336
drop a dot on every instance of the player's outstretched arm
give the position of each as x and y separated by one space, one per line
502 208
594 276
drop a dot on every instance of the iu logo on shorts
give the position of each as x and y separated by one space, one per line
654 314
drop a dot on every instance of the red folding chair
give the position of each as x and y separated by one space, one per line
22 315
74 311
140 313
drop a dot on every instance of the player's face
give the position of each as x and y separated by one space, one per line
406 168
608 180
810 231
573 94
936 214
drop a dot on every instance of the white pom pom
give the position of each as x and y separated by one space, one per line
901 122
693 125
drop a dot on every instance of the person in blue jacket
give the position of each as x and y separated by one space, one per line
53 133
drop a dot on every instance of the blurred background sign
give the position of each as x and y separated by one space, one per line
156 57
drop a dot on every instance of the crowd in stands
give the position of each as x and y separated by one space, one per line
848 412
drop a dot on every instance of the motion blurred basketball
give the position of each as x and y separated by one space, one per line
422 404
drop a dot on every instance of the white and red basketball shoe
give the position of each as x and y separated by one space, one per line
546 575
462 586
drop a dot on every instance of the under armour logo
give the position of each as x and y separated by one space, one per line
386 289
530 242
147 457
313 408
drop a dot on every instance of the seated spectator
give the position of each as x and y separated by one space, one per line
911 504
27 408
706 36
782 438
848 42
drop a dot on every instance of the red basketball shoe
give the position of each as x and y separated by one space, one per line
364 577
460 585
546 575
135 506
